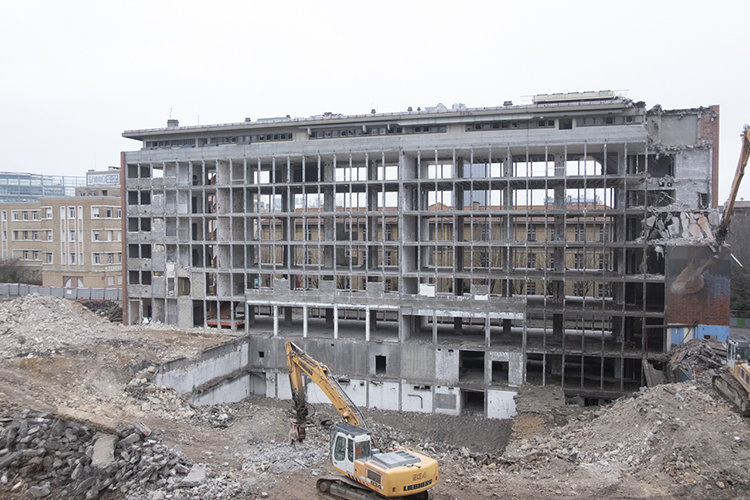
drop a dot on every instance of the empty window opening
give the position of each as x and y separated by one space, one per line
534 368
198 316
473 401
500 372
380 365
471 366
261 354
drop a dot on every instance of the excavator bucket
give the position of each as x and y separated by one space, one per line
298 432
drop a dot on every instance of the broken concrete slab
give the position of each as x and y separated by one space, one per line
132 438
84 485
7 459
654 377
142 429
104 451
195 477
40 491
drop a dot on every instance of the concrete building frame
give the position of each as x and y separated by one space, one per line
446 256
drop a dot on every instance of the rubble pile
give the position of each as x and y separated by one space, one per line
697 359
675 432
44 325
144 397
276 458
44 455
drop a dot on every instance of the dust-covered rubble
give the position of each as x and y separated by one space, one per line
697 359
41 326
677 433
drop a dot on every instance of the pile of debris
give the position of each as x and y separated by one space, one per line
675 434
44 454
696 359
44 325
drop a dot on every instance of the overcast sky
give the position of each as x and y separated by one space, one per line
76 74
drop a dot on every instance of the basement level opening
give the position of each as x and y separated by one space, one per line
380 365
472 402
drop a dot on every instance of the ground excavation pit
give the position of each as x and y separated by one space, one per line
85 380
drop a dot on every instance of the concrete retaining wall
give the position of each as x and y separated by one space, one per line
207 370
234 370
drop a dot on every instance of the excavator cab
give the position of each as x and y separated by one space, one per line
349 443
738 349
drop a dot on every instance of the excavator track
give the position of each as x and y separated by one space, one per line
343 488
728 386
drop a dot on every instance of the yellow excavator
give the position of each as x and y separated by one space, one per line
734 382
369 473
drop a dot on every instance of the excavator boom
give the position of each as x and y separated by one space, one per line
739 173
299 362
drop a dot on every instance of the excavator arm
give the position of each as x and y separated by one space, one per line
299 362
744 155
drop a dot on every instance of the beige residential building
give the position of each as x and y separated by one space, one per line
71 241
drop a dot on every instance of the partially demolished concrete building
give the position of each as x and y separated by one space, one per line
437 258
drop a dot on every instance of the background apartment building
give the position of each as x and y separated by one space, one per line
71 241
28 187
439 257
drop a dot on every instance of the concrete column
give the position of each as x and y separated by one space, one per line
247 317
304 321
367 324
288 316
458 328
558 286
487 340
251 315
275 321
434 327
335 321
523 351
329 225
329 318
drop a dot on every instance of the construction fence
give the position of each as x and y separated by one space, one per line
18 290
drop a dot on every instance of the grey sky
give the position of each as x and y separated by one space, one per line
76 74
